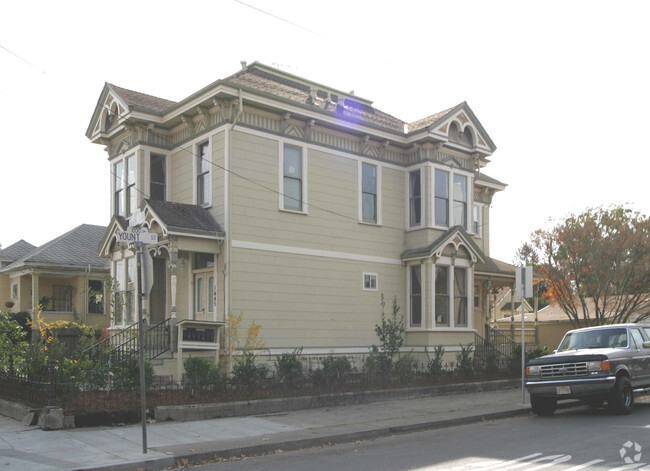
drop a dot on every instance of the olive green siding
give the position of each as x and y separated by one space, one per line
309 301
331 222
182 171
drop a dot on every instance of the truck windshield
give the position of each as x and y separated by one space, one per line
599 338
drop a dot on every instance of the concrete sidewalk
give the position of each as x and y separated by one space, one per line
120 448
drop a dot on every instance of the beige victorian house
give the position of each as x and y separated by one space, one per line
298 205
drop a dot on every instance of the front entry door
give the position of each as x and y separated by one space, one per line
158 300
204 296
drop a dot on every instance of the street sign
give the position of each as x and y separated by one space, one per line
136 235
524 282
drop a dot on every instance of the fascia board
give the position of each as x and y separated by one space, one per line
322 117
492 185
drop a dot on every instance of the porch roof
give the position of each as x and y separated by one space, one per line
184 219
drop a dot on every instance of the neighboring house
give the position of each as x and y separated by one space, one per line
65 276
8 290
552 322
297 205
506 305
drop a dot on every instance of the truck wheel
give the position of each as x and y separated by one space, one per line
543 405
621 399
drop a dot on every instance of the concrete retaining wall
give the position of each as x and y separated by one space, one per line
270 406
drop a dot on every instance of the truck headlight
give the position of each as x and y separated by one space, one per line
598 365
532 371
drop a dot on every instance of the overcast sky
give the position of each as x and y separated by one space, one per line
561 87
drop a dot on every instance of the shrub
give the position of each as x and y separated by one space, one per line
405 368
464 363
126 375
334 370
289 368
246 374
201 373
435 364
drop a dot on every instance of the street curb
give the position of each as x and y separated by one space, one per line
297 444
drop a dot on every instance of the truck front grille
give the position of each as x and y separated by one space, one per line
564 369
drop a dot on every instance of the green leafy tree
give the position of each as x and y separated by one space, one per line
597 265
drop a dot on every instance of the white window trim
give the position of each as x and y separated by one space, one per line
360 192
305 160
363 281
451 171
195 172
469 273
14 291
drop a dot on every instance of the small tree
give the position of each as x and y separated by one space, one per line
390 332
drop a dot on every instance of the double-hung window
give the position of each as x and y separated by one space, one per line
131 197
460 297
203 174
441 198
157 177
416 296
477 220
415 199
292 178
451 296
369 193
441 304
460 200
118 185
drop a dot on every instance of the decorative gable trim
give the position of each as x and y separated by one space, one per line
457 237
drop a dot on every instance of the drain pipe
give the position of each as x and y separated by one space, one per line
226 264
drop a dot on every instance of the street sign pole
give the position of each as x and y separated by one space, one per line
523 338
143 386
524 289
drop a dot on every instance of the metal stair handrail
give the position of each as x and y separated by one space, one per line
123 345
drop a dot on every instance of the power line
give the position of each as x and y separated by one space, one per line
22 59
191 152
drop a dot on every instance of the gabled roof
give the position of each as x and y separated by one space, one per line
462 114
455 235
188 219
141 100
15 251
74 249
